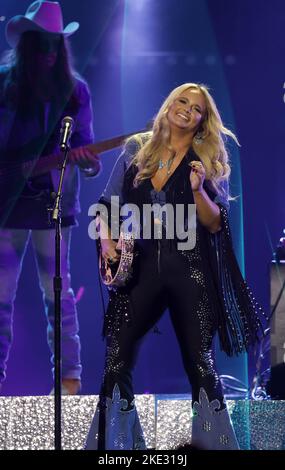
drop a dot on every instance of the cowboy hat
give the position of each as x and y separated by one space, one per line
40 16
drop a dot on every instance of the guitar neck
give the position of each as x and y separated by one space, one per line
105 145
49 162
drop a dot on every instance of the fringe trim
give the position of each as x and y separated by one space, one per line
236 313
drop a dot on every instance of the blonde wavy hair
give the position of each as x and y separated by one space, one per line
210 149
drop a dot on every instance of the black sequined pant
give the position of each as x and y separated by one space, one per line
172 280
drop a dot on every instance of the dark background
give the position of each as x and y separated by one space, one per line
133 53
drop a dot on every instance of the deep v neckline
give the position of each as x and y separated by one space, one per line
170 177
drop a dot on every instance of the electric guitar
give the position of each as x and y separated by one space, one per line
14 177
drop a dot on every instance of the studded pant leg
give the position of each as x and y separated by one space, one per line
191 318
130 315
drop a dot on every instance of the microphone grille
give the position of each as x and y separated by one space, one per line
67 120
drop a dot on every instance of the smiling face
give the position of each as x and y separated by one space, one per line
187 111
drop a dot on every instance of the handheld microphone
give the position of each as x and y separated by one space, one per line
65 132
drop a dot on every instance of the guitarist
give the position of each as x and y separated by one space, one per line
37 89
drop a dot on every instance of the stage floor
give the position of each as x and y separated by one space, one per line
27 422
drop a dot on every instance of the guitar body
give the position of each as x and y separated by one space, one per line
16 185
12 186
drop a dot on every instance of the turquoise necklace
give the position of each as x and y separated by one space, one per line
166 164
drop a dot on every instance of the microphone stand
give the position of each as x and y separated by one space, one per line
57 285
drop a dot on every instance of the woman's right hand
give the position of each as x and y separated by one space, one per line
108 250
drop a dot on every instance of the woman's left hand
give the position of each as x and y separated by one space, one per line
197 175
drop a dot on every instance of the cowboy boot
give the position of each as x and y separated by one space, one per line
121 426
211 426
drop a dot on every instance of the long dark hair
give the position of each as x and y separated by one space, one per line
23 88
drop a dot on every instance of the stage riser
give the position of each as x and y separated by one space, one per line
27 422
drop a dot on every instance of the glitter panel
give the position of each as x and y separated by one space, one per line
27 423
259 425
173 423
